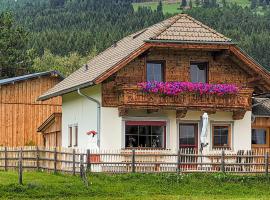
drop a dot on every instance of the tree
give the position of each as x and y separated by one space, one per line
224 3
253 4
206 3
183 4
197 3
213 4
66 64
14 54
160 7
57 3
190 4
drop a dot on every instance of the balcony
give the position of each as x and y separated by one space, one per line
134 97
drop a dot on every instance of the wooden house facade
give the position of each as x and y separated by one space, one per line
105 105
21 113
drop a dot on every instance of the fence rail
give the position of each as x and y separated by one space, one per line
72 161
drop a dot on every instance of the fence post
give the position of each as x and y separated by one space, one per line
81 165
20 167
223 161
55 160
133 161
5 159
266 163
178 161
37 158
73 162
88 160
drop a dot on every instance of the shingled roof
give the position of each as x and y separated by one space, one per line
261 107
181 28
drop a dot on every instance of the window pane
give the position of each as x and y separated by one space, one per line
132 141
198 72
157 141
154 72
157 130
259 136
131 130
145 141
221 135
144 130
144 136
187 134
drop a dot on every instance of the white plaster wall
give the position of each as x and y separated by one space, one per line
242 136
111 129
241 129
79 110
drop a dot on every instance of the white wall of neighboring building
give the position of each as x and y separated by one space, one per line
78 110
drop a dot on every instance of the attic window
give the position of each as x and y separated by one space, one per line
138 34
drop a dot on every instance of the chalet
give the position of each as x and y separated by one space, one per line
20 112
150 90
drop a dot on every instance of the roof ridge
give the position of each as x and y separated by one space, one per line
177 17
207 27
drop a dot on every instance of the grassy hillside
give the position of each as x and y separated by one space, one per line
172 8
135 186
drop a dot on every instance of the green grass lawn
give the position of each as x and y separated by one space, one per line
173 8
134 186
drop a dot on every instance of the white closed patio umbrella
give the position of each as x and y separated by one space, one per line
203 138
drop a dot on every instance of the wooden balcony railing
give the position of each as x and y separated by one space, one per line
133 96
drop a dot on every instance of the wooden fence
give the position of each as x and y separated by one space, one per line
129 160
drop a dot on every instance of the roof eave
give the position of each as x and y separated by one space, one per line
66 91
32 76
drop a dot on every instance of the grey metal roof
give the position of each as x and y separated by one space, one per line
261 107
30 76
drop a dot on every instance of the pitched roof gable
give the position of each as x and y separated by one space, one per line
180 28
186 28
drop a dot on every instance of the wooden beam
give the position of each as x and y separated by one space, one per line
181 113
221 55
149 111
210 111
122 111
238 114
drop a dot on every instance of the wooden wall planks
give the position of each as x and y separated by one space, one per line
20 112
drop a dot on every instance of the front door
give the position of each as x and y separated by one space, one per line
188 135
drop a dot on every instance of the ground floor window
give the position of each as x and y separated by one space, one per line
145 134
260 137
221 135
188 135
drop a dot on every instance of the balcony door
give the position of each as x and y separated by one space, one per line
188 135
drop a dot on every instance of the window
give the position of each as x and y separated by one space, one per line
70 136
76 136
260 137
198 72
155 71
145 134
221 135
188 134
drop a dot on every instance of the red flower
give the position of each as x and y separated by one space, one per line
93 133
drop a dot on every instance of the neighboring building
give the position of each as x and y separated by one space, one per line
51 130
261 123
20 111
104 95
